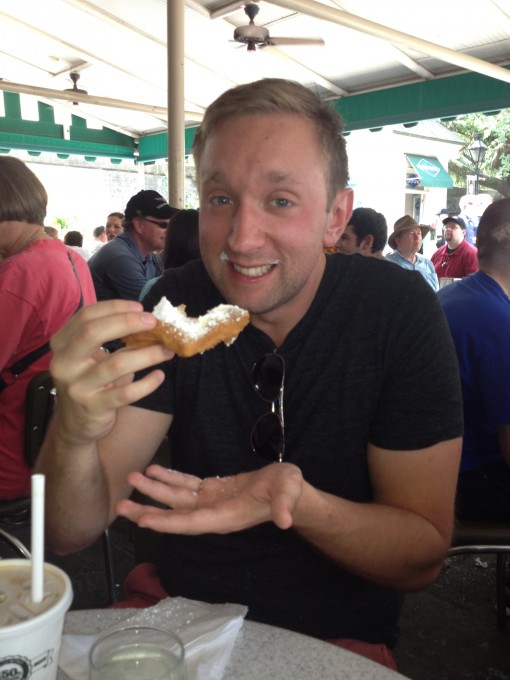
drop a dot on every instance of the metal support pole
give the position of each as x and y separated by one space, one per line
175 98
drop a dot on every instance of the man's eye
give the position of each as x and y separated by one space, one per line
281 202
221 200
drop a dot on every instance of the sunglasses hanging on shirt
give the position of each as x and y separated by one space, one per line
268 433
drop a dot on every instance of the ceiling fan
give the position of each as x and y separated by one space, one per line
75 76
254 36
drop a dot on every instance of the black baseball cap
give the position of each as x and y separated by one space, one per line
148 203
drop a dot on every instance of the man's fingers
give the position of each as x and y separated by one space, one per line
222 520
96 324
170 494
121 364
173 477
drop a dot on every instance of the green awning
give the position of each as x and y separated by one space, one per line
430 172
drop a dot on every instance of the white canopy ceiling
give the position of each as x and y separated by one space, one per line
119 48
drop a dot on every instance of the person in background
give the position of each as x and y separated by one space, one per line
457 258
406 240
472 207
41 285
114 225
366 233
478 313
361 506
122 267
99 235
51 232
439 226
181 243
74 240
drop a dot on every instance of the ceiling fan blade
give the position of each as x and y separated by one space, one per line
294 41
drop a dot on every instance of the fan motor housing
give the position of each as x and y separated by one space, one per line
251 33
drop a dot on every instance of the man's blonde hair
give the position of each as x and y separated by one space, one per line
279 96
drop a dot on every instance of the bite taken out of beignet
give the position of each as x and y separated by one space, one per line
187 336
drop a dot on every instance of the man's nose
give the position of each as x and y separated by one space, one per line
246 227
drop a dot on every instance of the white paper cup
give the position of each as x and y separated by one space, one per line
30 634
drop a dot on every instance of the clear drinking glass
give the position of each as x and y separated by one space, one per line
137 653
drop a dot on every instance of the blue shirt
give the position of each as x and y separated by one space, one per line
478 313
471 228
119 270
422 265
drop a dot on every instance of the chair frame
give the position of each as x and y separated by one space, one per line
15 543
469 537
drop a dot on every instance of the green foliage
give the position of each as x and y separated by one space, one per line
64 223
495 131
61 223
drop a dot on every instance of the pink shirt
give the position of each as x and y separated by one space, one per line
39 292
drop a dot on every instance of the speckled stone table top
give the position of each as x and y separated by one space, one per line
261 652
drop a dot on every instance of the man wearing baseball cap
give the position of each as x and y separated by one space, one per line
457 258
406 241
122 267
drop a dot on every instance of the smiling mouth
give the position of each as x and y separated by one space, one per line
251 272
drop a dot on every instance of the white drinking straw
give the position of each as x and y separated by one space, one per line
37 537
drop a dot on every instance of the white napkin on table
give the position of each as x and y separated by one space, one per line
208 632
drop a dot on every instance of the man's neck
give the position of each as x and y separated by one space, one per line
451 247
501 278
410 257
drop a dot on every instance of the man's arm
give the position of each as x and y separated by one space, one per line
86 481
398 540
95 437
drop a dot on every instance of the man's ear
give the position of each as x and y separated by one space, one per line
367 244
137 225
338 216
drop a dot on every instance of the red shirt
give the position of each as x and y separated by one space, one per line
456 264
38 294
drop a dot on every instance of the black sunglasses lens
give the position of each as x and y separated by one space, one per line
267 437
267 375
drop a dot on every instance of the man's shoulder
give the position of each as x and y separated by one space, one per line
424 261
468 247
110 251
396 258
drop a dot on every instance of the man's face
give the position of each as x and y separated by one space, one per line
409 241
347 243
263 214
453 234
151 233
470 207
113 227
